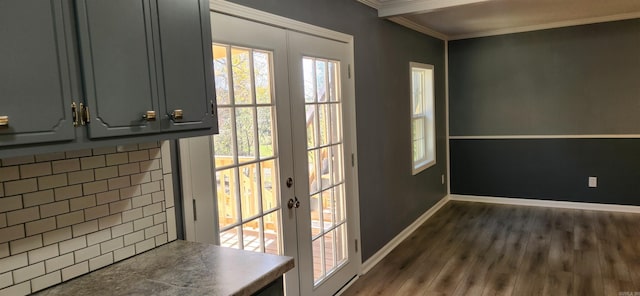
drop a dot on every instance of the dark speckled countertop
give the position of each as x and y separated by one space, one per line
181 268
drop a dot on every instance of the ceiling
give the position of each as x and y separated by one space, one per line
459 19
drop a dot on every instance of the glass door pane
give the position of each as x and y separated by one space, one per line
245 150
323 107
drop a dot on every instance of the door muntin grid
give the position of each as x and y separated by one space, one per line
325 157
245 150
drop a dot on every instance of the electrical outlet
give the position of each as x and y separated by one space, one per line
593 182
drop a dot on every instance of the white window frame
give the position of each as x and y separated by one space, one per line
426 115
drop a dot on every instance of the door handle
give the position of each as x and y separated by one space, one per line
293 203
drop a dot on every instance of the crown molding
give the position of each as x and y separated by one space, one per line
577 22
397 8
417 27
371 3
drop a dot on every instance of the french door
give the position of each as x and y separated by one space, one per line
282 160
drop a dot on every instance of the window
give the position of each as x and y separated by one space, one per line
423 135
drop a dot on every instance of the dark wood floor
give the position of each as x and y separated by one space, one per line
486 249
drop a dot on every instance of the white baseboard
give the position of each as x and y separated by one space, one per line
384 251
547 203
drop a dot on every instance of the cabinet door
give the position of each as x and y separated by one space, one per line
185 43
118 66
35 87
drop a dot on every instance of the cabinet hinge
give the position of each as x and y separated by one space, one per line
353 160
349 71
85 116
356 246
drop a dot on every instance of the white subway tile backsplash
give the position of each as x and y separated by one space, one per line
64 214
13 262
142 223
117 158
29 272
111 245
92 162
140 155
20 186
44 253
50 156
71 245
6 280
96 212
23 216
57 235
10 203
98 237
17 290
130 192
145 245
72 218
9 173
68 192
141 178
101 261
94 187
120 182
4 250
108 197
38 198
82 202
110 221
87 253
78 153
141 201
40 226
152 209
75 270
52 181
11 233
46 281
124 253
120 206
133 238
150 165
121 230
54 209
59 262
129 169
18 160
171 224
25 244
67 165
150 187
106 173
131 215
85 228
154 231
81 177
35 170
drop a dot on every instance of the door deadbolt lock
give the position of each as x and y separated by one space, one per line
293 203
289 182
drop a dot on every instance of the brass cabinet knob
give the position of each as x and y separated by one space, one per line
149 116
176 114
4 121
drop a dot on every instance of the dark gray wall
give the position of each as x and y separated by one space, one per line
390 197
570 81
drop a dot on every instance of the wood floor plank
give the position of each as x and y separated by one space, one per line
486 249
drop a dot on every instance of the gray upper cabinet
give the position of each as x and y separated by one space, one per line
119 72
144 56
35 82
185 43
